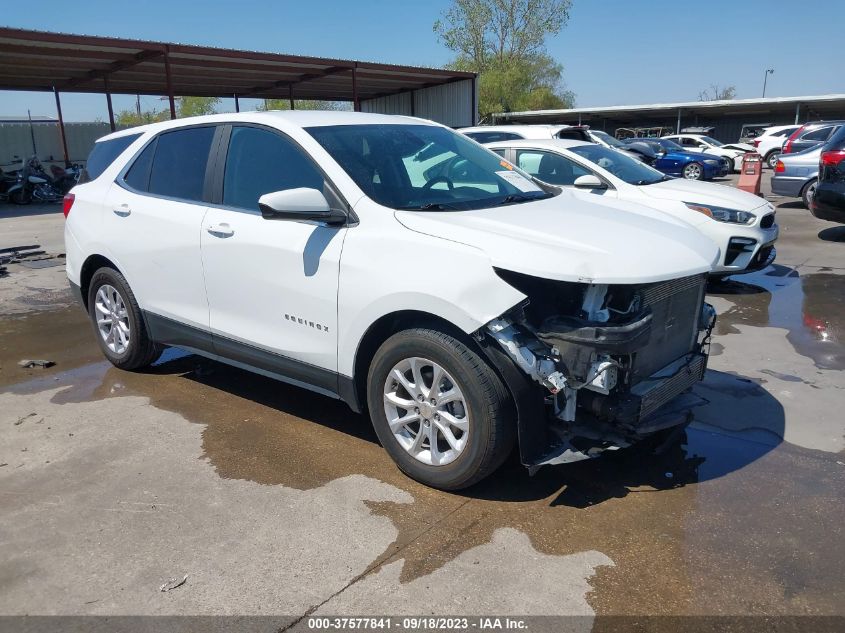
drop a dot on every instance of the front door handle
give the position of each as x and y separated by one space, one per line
220 230
122 211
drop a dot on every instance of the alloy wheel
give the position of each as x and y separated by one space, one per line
112 319
426 411
692 171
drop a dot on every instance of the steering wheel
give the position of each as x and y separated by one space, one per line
436 179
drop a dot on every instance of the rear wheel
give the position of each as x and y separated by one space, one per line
772 159
118 322
694 171
21 196
808 192
439 410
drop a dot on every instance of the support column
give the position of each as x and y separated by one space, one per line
237 104
474 105
290 97
797 111
61 126
169 79
356 103
108 102
678 126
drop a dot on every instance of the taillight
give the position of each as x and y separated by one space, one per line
67 203
833 158
756 142
787 147
780 167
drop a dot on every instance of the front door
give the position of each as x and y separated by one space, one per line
271 284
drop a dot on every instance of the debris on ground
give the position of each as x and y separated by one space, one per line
173 583
27 363
21 419
14 254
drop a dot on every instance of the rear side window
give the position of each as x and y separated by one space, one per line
787 132
259 162
173 164
820 134
103 155
493 137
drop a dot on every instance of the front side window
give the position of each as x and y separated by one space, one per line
103 155
178 163
260 161
607 138
621 165
550 167
424 167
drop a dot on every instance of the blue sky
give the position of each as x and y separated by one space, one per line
614 51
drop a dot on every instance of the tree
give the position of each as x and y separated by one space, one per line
715 93
303 104
196 106
504 41
130 118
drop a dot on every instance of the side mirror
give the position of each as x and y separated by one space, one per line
589 181
299 204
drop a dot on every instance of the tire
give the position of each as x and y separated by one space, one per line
21 196
139 350
808 192
772 159
693 171
488 412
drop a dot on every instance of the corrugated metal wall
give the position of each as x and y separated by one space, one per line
16 140
451 104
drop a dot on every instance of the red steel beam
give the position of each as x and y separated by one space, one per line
61 126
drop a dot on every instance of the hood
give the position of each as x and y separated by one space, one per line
567 239
743 147
704 193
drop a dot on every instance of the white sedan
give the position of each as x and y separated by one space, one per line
709 145
741 224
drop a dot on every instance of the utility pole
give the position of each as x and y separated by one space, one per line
769 71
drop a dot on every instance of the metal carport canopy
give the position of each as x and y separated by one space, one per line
60 62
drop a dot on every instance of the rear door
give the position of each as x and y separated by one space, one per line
155 211
272 284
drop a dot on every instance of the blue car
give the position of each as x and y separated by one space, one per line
674 161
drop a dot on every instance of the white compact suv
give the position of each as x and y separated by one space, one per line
399 266
741 224
770 142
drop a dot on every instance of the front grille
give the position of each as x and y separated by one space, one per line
736 247
768 221
675 306
665 390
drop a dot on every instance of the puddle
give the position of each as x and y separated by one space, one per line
672 522
811 307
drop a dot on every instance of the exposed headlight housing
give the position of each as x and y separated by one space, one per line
721 214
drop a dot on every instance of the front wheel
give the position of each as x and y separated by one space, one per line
118 323
694 171
439 409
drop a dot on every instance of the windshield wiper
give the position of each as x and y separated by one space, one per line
519 197
430 206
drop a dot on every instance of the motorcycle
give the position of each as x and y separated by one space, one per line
62 179
29 186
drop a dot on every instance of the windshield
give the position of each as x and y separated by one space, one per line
424 167
631 170
670 146
607 138
712 141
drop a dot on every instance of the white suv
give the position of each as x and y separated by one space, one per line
770 142
401 267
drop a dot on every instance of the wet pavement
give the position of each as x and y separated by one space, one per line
276 500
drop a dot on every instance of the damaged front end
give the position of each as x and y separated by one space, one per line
596 367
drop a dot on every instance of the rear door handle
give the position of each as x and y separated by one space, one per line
122 211
220 230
